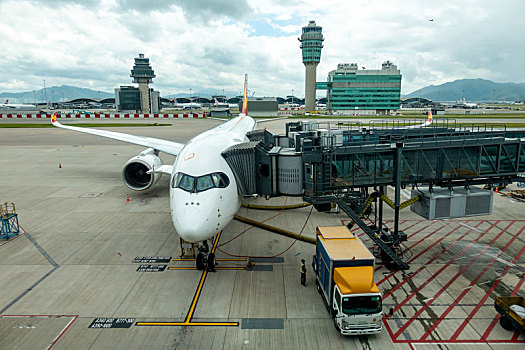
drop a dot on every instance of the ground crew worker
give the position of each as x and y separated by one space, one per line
303 273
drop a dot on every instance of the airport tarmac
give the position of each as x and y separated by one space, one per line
72 265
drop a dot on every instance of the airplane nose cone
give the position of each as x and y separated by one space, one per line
192 225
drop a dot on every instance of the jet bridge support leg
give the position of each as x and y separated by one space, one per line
397 199
386 246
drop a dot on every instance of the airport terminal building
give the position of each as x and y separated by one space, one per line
363 92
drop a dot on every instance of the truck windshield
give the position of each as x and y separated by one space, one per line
370 304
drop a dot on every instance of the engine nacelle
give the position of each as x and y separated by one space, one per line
135 172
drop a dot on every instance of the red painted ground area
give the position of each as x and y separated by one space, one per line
440 299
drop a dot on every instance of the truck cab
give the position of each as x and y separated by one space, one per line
344 270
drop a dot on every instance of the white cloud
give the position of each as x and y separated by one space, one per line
211 44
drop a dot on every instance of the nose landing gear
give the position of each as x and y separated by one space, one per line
205 259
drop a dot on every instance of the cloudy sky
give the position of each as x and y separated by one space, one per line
210 44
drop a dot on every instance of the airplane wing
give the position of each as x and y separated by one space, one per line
168 147
269 120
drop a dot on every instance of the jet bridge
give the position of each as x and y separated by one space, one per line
339 163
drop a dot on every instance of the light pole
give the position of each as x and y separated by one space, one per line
292 96
191 107
45 95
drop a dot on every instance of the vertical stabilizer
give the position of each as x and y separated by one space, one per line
429 119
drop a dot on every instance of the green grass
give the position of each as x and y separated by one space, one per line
98 125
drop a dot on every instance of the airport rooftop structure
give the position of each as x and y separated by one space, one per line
366 91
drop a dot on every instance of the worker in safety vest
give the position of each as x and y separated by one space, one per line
303 273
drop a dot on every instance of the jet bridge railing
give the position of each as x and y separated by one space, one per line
421 162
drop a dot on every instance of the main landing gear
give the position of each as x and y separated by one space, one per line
205 259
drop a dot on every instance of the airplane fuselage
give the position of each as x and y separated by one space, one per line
203 190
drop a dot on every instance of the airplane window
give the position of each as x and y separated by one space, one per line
176 180
224 180
187 183
204 182
216 179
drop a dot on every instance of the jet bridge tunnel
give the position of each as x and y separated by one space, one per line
328 164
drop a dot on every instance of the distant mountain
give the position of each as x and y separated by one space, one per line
54 94
474 90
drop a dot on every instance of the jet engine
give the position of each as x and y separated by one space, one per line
135 172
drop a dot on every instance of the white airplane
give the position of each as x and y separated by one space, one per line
190 105
426 123
203 190
6 104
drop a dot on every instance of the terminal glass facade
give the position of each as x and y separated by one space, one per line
350 89
127 98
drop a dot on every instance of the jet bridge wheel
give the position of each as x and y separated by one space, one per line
200 261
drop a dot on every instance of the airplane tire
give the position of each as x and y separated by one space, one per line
200 261
211 262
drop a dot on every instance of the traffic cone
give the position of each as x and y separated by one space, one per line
127 198
496 190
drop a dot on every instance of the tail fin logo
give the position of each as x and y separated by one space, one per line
429 119
245 96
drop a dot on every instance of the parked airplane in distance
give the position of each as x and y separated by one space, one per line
6 104
204 195
426 123
190 105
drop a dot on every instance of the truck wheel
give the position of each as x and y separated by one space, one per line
336 325
506 323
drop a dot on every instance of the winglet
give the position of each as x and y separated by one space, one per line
245 96
54 118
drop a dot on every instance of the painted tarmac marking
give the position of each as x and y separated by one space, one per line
49 259
463 293
191 311
497 317
444 288
55 340
483 339
430 261
217 268
475 310
413 245
218 259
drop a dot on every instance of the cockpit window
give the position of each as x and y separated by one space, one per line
204 183
187 183
200 183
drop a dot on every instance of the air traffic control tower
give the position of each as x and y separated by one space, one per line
311 44
143 75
